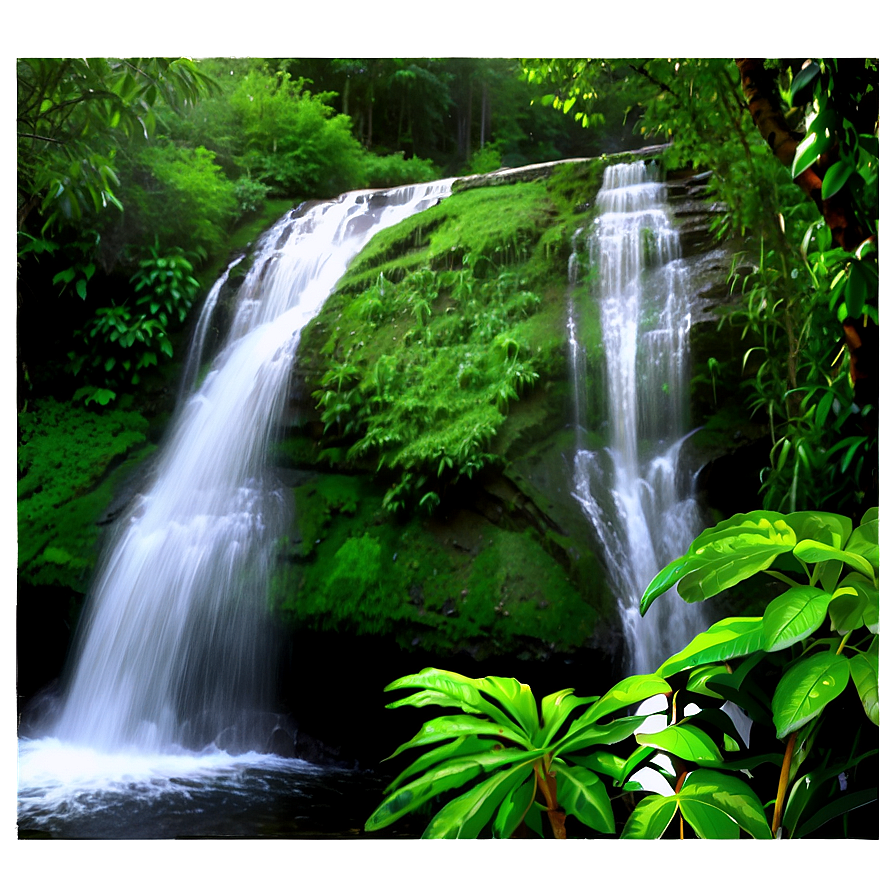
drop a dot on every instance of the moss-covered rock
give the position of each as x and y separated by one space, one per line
71 461
447 583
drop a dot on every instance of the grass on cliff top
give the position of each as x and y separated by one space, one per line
440 326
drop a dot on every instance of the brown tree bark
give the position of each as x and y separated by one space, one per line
760 92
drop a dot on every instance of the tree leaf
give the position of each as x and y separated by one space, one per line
847 610
589 735
814 552
555 709
793 616
724 793
602 762
461 747
861 286
684 740
835 177
724 555
514 807
723 640
650 818
581 793
806 688
837 807
465 816
803 83
448 775
865 541
443 688
833 529
449 727
864 671
629 691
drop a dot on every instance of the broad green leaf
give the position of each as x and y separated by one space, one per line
815 552
835 178
449 727
465 816
730 795
603 763
684 740
724 640
847 610
814 144
555 709
873 513
724 555
708 819
589 735
650 818
451 774
793 616
516 698
806 688
668 576
832 529
581 793
628 692
863 669
640 755
456 690
463 746
861 286
865 542
514 807
803 83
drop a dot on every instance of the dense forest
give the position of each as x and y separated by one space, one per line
430 390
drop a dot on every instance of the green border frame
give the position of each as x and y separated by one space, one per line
455 28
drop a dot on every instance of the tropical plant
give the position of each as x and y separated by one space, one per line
525 764
782 668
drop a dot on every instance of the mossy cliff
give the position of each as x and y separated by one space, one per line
431 438
428 446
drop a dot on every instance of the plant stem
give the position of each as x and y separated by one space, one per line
547 783
782 783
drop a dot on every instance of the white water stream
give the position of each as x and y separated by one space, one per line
173 670
633 491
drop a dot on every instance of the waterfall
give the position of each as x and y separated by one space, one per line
175 650
631 488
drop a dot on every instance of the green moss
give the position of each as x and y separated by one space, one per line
71 459
440 584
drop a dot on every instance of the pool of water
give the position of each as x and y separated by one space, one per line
68 792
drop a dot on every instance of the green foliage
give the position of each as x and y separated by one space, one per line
789 673
520 763
780 668
177 196
73 113
293 142
65 456
395 169
121 341
486 159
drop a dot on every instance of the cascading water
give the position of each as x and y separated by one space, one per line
174 655
638 499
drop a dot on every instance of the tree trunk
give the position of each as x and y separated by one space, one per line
761 94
